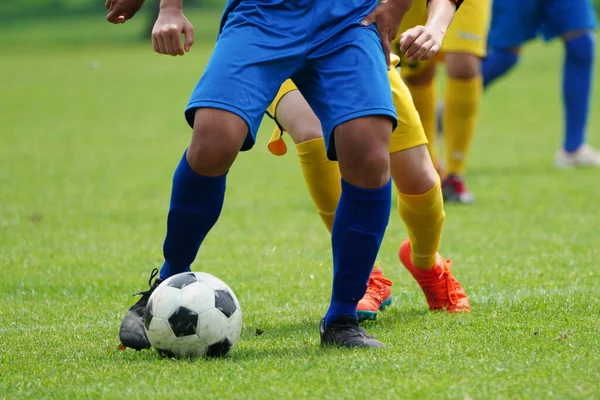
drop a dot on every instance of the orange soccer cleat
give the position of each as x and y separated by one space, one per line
377 297
442 291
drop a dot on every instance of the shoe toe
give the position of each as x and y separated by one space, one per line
132 332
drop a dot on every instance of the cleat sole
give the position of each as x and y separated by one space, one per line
386 303
364 315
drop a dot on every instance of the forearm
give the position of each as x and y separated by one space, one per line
441 13
171 4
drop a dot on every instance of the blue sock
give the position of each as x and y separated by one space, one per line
360 221
196 203
496 64
577 83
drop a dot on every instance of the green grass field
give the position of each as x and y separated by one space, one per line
92 128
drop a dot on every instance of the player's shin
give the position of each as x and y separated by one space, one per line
196 203
577 84
322 176
420 203
463 97
360 222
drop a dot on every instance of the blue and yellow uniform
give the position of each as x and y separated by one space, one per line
409 131
408 134
465 40
467 33
337 63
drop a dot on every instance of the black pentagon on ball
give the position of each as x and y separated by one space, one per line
148 314
224 302
183 322
219 349
182 280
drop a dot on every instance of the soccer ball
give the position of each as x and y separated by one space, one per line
193 314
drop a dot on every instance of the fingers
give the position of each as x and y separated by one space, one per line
188 31
115 15
420 52
119 11
155 44
416 50
431 52
408 37
420 46
175 42
160 45
369 19
167 40
167 43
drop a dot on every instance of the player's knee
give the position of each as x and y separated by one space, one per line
217 138
362 147
304 132
424 77
209 157
413 170
463 66
580 49
367 169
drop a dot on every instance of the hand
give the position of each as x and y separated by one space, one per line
166 34
120 11
387 17
421 42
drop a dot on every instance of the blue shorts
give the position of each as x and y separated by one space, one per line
515 22
337 64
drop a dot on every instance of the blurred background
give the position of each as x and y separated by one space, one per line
91 130
10 9
14 11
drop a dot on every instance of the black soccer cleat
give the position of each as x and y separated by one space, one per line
345 332
132 332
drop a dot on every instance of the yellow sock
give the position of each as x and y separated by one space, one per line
423 215
460 118
323 180
322 177
424 100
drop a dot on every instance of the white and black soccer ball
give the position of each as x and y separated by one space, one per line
193 314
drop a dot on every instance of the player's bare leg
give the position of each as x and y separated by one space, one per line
323 180
217 137
297 118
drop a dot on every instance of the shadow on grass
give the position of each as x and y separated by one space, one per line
298 339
